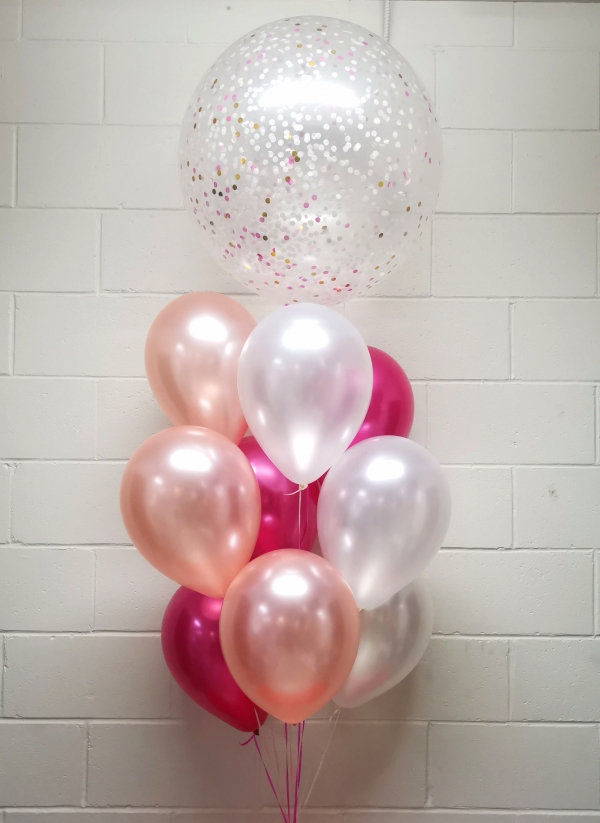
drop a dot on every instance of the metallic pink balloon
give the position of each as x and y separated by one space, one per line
392 405
192 650
192 355
289 632
191 506
279 505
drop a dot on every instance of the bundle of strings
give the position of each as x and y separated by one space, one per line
284 775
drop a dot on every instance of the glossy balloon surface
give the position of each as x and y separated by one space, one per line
192 355
289 630
383 512
392 405
310 159
287 517
192 651
393 638
191 505
305 380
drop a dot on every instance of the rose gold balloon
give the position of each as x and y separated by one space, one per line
192 354
191 505
289 631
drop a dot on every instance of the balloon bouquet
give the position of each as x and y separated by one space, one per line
310 159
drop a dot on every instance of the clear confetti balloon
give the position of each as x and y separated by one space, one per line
310 158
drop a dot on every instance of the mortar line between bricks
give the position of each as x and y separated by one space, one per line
327 810
594 595
412 722
170 209
424 298
121 461
450 637
177 124
597 256
419 381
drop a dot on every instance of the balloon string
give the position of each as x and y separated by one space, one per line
300 729
335 714
287 768
271 784
301 487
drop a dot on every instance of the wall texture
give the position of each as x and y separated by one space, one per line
497 322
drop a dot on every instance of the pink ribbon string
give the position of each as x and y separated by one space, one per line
271 784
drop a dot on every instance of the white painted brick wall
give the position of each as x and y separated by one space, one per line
497 322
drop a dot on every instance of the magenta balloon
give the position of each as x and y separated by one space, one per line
192 649
279 505
392 405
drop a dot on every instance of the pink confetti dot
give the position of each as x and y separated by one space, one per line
317 219
306 205
286 237
314 197
262 219
347 226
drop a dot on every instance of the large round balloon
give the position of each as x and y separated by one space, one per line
192 354
191 505
310 158
304 380
192 651
382 515
289 631
393 638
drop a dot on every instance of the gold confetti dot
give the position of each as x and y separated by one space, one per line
381 234
334 278
243 161
234 187
286 260
240 119
267 199
264 214
380 184
419 203
256 125
219 173
237 177
321 282
298 45
408 208
311 63
237 134
265 237
333 51
296 159
276 282
195 125
235 105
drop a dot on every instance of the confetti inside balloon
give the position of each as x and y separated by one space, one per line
310 158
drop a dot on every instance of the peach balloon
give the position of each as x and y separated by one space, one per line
289 632
191 505
192 354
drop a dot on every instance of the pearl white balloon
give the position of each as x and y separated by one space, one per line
304 380
393 638
382 514
310 158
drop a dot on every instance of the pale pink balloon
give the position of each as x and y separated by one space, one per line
191 505
192 355
289 632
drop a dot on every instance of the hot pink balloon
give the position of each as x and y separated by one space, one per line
279 505
392 405
192 649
